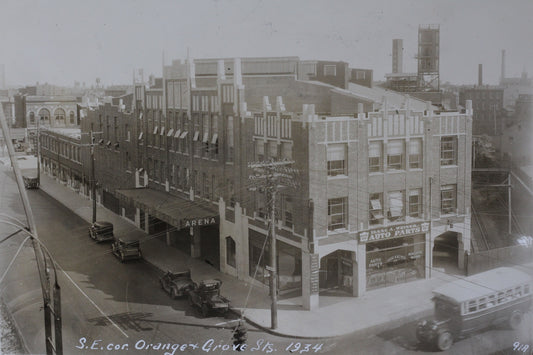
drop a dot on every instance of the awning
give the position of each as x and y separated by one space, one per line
183 134
215 138
206 137
178 132
196 135
170 132
155 130
176 211
141 136
162 131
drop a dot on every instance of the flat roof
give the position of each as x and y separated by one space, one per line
482 284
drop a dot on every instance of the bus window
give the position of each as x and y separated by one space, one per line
501 297
482 303
472 307
518 291
508 295
492 301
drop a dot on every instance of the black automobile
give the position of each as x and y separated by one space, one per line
101 231
177 284
206 296
126 248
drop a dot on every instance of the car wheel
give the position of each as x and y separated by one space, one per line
514 320
122 256
444 341
205 310
174 293
191 302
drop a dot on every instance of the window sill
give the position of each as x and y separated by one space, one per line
337 231
395 171
376 173
337 177
416 169
449 166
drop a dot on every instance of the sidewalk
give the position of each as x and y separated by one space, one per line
376 311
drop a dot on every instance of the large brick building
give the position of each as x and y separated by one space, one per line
384 179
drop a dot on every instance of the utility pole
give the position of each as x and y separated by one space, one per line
44 276
272 175
38 151
93 178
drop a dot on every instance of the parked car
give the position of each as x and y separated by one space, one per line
177 284
101 231
125 248
31 182
206 296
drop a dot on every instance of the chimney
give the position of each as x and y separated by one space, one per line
503 65
397 55
480 75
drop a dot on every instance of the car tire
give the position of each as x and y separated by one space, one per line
515 320
444 341
191 302
205 310
121 256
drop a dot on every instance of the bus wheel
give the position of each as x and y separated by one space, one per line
445 341
515 319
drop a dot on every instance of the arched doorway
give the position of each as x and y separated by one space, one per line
446 251
336 274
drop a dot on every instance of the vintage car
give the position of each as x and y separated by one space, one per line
126 248
469 305
177 284
101 231
31 182
206 296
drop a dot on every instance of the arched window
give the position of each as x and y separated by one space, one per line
60 115
44 115
71 117
32 118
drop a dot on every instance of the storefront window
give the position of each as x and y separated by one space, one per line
230 251
394 261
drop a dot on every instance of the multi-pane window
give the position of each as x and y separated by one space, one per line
448 199
448 150
330 70
336 157
415 153
395 155
337 213
374 157
415 203
287 210
396 205
376 208
286 150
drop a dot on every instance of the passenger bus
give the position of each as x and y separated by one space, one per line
473 303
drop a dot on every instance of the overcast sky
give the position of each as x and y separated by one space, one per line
63 41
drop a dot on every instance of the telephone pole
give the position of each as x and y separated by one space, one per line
271 176
93 174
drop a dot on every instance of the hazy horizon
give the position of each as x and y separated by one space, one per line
59 42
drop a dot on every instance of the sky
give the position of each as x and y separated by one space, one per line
62 41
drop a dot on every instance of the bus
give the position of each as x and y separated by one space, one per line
470 304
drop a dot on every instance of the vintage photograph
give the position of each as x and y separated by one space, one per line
252 176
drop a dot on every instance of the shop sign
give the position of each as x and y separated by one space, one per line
314 273
393 232
396 258
375 263
198 222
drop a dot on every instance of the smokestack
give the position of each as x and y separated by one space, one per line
503 65
397 55
480 75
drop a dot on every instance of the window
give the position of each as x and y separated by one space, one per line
273 150
32 118
415 203
448 199
230 251
229 139
71 117
376 209
396 210
395 153
287 209
472 306
330 70
360 75
415 154
374 157
336 157
286 150
259 150
337 212
448 150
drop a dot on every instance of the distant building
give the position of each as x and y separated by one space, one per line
487 103
514 87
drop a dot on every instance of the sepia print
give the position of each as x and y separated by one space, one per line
290 177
